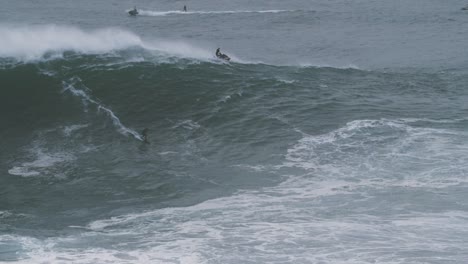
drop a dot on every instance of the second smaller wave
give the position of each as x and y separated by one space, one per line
178 12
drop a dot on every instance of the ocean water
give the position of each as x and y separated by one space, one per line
338 132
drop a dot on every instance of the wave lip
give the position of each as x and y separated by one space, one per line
33 43
28 43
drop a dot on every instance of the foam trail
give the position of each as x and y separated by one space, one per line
182 49
326 65
177 12
115 120
34 42
179 49
43 161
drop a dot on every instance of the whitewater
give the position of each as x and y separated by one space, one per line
336 134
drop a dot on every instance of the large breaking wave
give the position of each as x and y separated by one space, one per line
34 42
30 43
22 43
281 158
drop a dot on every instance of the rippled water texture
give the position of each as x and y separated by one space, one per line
336 134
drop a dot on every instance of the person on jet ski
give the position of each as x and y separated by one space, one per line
222 56
133 12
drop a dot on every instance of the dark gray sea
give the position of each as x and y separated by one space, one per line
336 134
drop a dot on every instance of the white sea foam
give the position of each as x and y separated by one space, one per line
289 223
68 130
256 168
29 43
49 42
47 72
5 214
327 215
391 151
145 12
33 42
87 99
164 153
356 202
326 65
185 49
42 162
179 48
187 124
286 81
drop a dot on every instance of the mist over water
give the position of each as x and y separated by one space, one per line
336 134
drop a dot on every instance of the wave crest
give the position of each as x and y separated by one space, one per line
34 42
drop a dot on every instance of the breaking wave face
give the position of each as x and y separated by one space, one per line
306 218
31 43
245 162
49 42
34 42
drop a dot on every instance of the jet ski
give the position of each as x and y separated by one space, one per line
133 12
222 56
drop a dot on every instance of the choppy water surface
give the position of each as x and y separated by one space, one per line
337 133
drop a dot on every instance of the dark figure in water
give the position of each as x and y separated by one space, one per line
144 135
133 12
221 55
185 8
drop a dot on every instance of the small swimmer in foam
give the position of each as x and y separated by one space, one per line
144 135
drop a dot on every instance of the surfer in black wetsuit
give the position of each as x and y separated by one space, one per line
144 135
185 8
